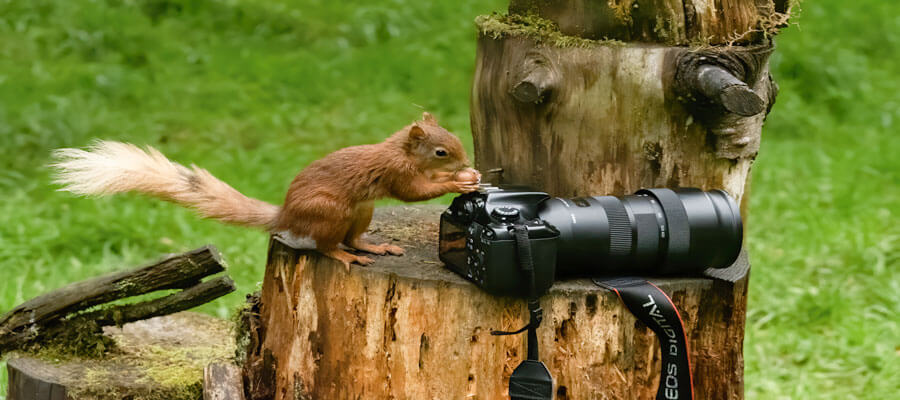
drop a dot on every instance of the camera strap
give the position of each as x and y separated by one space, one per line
531 380
655 309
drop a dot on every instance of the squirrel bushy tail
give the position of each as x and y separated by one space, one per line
107 168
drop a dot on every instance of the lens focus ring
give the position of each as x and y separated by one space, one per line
619 227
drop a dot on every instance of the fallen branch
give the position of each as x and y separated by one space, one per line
51 314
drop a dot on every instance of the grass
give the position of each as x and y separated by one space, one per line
255 90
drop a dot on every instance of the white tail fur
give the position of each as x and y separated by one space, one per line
113 167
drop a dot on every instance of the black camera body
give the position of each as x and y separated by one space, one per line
654 231
476 240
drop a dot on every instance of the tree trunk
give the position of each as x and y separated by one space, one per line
626 105
407 328
614 118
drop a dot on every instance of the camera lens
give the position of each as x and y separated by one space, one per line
653 230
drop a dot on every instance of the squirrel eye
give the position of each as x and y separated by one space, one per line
441 153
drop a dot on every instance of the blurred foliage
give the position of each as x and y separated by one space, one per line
254 90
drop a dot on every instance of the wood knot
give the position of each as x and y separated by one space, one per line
535 80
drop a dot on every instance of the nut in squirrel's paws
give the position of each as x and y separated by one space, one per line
468 175
467 180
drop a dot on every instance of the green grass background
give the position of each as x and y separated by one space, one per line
255 90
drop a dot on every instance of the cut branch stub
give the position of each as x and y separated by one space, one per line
535 81
727 89
724 89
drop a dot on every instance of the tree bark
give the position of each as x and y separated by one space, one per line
407 328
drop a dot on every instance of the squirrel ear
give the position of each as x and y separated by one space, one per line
427 117
416 132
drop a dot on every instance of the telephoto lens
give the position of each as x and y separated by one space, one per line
660 231
654 231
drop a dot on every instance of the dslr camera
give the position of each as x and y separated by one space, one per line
652 232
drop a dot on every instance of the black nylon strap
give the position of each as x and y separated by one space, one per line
531 380
535 312
655 309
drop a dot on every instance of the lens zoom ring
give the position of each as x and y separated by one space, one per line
619 227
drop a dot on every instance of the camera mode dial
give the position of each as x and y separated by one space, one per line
505 214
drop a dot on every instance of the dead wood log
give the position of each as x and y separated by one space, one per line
50 314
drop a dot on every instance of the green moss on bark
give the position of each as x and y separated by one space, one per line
544 31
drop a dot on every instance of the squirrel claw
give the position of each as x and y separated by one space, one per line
349 258
362 260
379 249
392 250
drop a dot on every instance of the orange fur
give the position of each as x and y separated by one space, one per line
330 202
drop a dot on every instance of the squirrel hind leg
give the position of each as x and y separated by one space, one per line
362 217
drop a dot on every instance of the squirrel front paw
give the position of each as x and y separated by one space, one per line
464 187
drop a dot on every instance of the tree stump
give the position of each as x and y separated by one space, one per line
155 359
408 328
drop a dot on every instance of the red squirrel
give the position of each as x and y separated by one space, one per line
329 202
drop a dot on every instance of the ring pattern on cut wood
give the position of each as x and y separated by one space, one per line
407 328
